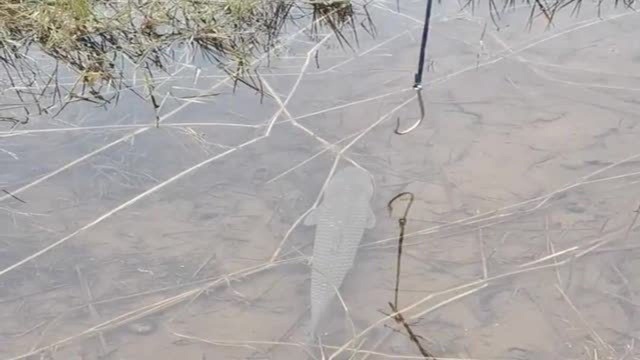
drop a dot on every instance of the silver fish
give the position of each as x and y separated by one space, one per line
340 222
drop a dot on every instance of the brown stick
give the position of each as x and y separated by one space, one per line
414 338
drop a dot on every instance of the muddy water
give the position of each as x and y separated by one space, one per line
520 243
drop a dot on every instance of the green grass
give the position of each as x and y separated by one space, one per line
100 40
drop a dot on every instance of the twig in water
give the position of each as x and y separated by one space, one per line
601 343
203 265
95 316
551 248
414 338
485 272
148 79
613 238
13 196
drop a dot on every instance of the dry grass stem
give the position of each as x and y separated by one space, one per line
600 342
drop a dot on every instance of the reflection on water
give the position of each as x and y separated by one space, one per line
185 241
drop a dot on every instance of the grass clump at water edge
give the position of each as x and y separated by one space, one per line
104 41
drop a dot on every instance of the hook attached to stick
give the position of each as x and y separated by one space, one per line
403 219
417 84
418 89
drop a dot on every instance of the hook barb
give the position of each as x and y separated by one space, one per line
397 130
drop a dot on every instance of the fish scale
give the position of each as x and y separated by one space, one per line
340 222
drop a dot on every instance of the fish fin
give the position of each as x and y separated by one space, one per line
371 219
311 218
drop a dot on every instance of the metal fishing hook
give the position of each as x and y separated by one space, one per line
403 219
417 83
397 130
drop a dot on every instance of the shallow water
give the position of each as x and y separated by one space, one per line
139 242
